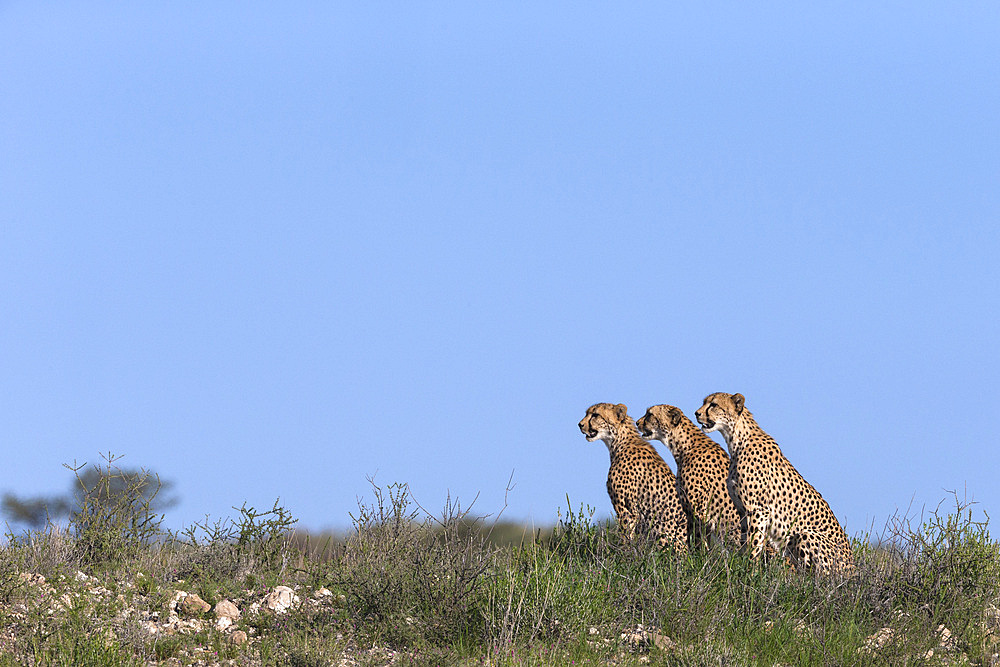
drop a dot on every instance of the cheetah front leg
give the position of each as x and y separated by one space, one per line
676 534
627 519
626 523
758 521
743 530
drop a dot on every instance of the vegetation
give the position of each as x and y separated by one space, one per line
103 482
409 587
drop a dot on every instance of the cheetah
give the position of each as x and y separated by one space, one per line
642 488
702 469
779 506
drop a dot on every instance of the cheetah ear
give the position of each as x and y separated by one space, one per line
739 401
675 415
621 411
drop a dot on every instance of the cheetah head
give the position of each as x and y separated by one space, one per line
719 412
603 421
659 421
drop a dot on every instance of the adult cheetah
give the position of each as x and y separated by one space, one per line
780 506
642 488
702 469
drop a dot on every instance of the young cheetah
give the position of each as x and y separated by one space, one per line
780 506
702 469
642 488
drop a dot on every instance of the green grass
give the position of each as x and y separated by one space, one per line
416 589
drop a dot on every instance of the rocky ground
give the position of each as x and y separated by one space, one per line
178 627
132 614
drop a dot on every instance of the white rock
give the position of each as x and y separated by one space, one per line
193 605
280 600
878 641
944 637
174 600
67 601
31 578
227 609
226 615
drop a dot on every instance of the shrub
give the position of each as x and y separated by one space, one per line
408 575
254 548
114 520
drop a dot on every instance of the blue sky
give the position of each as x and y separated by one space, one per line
270 251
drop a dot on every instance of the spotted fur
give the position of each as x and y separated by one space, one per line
642 488
702 469
780 507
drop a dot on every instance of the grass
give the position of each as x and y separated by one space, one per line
410 588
